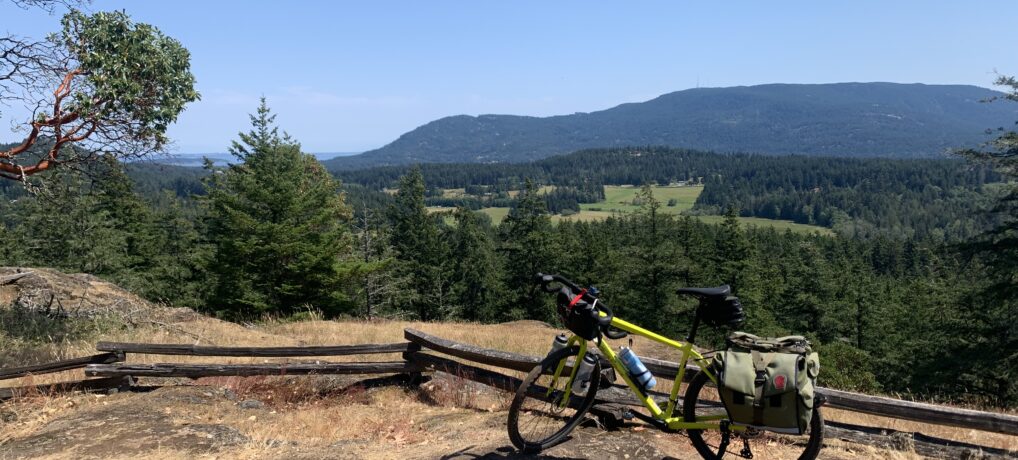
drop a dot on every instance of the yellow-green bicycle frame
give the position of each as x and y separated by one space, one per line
688 355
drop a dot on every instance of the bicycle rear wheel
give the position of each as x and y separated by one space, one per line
539 417
702 400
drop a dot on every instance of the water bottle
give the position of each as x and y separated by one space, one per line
582 380
637 371
560 342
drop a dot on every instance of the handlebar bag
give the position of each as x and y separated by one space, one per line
768 383
576 316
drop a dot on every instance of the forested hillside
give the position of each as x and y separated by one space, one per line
270 236
845 119
856 197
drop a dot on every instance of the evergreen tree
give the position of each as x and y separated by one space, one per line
653 263
176 272
476 286
529 247
276 222
375 283
66 225
134 221
732 252
993 305
416 243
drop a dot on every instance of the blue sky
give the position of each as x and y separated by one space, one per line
345 76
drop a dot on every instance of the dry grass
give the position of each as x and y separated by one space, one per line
31 412
298 411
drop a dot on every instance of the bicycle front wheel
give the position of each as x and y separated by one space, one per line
703 402
541 415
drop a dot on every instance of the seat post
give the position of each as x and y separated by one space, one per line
696 324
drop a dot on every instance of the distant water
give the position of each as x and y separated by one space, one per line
219 159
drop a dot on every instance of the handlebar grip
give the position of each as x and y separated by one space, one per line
614 334
546 280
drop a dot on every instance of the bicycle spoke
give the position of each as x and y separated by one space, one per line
544 411
707 404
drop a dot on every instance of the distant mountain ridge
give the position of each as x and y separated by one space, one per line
221 158
840 119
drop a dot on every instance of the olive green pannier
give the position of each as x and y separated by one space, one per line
768 383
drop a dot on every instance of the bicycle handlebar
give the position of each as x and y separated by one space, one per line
573 289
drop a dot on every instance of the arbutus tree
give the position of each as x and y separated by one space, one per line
116 87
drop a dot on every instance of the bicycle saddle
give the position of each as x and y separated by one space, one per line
720 291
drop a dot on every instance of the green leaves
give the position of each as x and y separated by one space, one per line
134 75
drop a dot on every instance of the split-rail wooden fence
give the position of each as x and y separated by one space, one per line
424 353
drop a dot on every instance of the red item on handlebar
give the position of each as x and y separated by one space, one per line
576 299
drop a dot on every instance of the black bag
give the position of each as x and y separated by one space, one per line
576 315
725 311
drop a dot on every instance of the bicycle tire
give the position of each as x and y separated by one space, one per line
530 396
691 403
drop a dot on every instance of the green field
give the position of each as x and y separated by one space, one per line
620 198
778 224
586 216
496 214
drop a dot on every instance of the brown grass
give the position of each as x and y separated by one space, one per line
297 410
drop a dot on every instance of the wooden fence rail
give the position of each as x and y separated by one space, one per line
518 362
59 366
876 405
114 373
611 403
200 350
219 370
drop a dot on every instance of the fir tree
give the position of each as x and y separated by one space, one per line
375 283
177 273
66 225
732 251
529 247
993 305
416 243
276 222
653 263
476 287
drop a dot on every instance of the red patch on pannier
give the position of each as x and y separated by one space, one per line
779 382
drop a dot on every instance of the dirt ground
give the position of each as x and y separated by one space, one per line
382 418
199 421
312 417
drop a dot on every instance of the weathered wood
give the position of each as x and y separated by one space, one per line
503 359
668 369
616 394
921 412
876 405
105 383
612 402
58 366
216 370
519 362
202 350
927 446
12 278
477 374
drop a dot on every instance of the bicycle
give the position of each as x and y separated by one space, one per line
547 407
